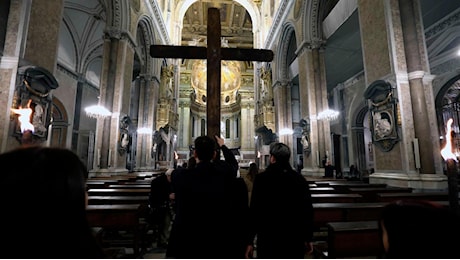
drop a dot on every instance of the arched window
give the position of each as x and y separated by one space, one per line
227 128
203 127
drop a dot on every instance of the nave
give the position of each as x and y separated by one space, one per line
346 212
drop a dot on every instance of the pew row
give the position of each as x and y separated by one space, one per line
118 218
354 239
342 212
432 196
335 198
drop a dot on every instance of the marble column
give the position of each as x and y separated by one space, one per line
313 90
417 68
393 50
31 38
9 62
115 92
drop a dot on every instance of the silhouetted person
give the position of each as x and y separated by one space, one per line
281 210
328 170
250 176
43 200
419 229
354 173
161 199
207 205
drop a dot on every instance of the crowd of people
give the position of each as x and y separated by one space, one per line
217 213
200 211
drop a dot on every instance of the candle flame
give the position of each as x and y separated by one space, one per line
446 152
24 117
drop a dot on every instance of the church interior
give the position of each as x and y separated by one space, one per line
367 84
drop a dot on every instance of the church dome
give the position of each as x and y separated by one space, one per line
230 81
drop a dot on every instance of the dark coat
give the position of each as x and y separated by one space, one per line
208 209
160 188
281 213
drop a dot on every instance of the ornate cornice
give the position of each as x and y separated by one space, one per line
155 11
115 33
76 76
442 25
281 13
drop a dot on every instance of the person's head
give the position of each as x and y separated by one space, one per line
253 170
44 192
419 229
279 153
191 163
205 148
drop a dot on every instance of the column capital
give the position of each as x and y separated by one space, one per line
115 33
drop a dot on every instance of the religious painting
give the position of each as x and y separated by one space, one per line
382 107
33 94
382 122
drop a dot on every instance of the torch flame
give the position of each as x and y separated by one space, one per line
24 117
446 152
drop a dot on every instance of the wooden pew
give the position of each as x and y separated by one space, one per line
118 192
354 239
108 200
129 186
137 182
335 198
96 184
370 194
338 212
118 217
345 187
336 182
433 196
319 190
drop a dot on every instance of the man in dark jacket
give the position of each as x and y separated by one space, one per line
281 210
161 201
206 205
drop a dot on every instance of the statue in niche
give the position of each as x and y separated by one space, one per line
382 124
305 139
124 141
37 120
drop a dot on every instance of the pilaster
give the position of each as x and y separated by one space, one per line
393 50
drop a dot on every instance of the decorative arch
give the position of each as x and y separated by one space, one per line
281 60
145 27
59 124
312 25
118 14
447 104
361 149
250 6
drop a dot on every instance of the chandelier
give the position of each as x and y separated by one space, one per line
328 115
97 111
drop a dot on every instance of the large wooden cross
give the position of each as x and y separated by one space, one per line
214 55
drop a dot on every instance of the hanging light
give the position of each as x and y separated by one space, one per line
97 111
328 115
286 131
144 130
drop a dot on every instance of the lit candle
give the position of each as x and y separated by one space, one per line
451 163
27 128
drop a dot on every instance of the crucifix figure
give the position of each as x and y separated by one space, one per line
214 55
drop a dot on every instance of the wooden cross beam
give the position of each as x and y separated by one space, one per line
214 55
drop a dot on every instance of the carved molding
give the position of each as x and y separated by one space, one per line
281 13
155 12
